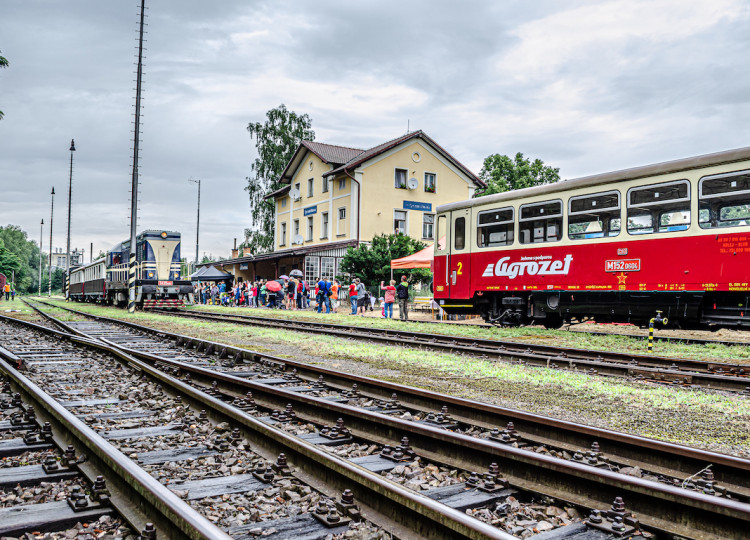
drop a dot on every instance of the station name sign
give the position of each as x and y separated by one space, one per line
310 210
421 206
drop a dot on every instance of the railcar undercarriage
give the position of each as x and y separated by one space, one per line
553 308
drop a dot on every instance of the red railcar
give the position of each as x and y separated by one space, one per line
672 237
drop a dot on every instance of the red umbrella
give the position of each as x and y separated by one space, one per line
273 286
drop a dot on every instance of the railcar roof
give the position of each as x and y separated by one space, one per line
77 268
666 167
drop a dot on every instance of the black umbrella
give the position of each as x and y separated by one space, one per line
296 272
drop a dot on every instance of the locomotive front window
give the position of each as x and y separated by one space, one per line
659 208
540 222
724 200
495 228
594 216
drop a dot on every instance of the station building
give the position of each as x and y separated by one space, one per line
336 197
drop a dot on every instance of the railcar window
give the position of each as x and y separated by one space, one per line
594 216
659 208
459 234
540 222
495 227
724 200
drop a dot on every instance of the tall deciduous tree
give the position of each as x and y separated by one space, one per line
501 173
372 263
20 255
276 140
3 64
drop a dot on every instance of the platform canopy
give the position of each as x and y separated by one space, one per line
210 273
420 259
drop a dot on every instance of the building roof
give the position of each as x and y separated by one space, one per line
343 158
293 252
328 153
384 147
331 153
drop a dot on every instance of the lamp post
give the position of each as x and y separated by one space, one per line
51 215
198 221
70 197
41 236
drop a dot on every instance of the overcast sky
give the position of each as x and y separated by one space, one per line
587 87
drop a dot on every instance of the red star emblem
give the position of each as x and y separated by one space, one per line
621 277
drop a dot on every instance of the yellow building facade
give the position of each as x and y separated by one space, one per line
336 197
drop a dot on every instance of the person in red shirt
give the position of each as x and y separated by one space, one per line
390 298
353 297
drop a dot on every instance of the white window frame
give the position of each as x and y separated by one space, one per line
434 176
310 187
283 202
342 184
406 220
324 225
310 228
296 229
325 184
282 239
424 216
339 220
395 176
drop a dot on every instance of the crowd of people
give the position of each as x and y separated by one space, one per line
295 293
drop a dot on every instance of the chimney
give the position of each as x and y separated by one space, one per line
235 252
246 252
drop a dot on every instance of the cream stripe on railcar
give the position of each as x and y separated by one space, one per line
163 252
570 188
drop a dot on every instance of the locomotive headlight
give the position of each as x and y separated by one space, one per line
150 274
163 234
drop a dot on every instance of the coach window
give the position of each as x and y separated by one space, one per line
540 222
594 216
459 234
495 227
724 200
659 208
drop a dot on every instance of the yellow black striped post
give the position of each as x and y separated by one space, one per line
131 282
657 319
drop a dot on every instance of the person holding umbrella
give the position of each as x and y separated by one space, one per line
272 287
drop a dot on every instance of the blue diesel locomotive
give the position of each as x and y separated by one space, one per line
159 281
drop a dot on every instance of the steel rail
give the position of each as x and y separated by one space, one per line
678 371
411 514
689 512
127 482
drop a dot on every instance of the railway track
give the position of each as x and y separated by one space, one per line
544 456
164 447
663 370
57 473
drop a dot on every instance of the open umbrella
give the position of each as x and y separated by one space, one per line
296 272
283 277
273 286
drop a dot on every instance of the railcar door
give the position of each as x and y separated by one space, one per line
460 256
441 262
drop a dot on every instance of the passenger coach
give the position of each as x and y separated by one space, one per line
672 237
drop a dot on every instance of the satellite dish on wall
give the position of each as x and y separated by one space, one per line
298 239
294 194
412 183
